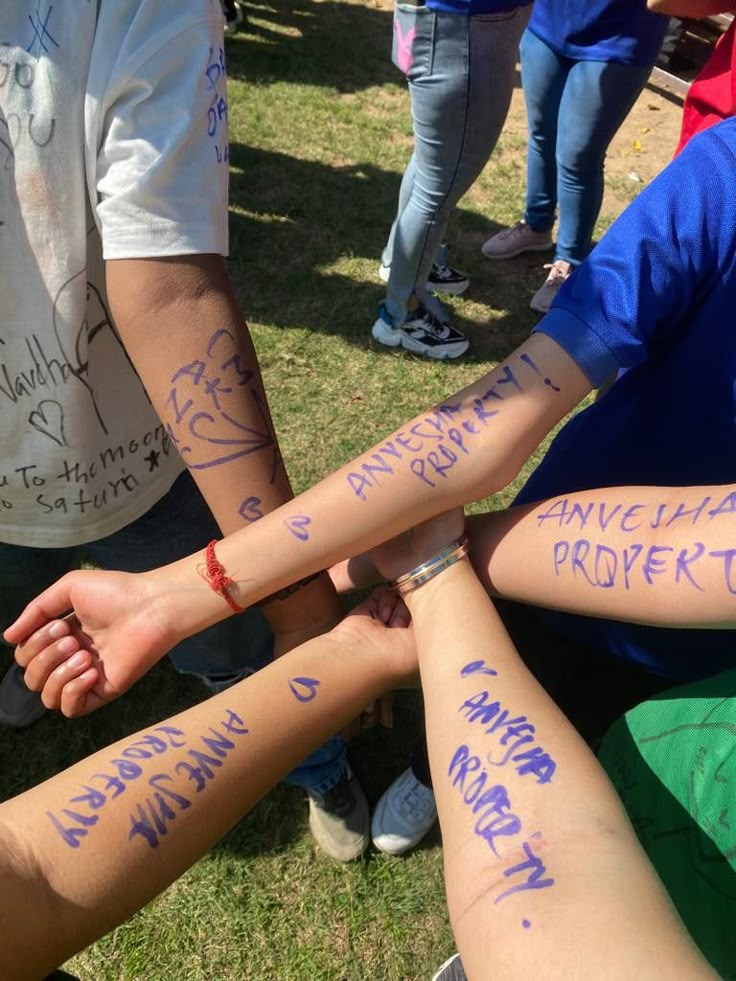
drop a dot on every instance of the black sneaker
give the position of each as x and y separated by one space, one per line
442 279
421 333
233 16
340 819
445 279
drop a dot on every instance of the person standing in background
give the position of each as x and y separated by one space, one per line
583 65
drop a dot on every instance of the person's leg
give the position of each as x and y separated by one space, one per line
596 100
544 74
24 573
405 192
460 98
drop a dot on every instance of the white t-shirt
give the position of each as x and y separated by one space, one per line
113 143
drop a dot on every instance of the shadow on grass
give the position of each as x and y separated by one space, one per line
293 221
342 46
29 756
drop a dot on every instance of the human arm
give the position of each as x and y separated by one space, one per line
183 329
88 847
159 180
543 872
690 8
469 446
651 555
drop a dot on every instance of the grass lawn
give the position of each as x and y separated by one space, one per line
320 135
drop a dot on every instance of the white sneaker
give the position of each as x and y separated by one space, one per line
515 240
559 271
403 815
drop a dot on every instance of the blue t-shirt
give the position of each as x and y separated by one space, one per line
472 8
600 30
657 297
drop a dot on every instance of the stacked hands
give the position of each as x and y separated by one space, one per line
121 624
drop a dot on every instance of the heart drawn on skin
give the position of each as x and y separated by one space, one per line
48 418
304 689
250 509
476 667
297 525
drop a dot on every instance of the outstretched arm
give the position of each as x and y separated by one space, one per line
544 874
651 555
467 447
85 849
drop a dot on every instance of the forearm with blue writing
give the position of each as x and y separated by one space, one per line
544 875
654 555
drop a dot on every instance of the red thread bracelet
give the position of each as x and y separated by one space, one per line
217 578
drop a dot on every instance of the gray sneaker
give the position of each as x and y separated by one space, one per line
340 820
451 970
559 271
515 240
19 706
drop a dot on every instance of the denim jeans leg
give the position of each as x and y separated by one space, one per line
405 191
543 74
321 770
459 105
177 525
597 98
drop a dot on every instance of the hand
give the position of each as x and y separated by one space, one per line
387 628
419 544
114 634
310 612
382 625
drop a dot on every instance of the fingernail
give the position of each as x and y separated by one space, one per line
77 661
59 629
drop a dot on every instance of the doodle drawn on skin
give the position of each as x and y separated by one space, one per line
40 33
477 667
404 53
304 689
250 509
547 381
48 418
297 525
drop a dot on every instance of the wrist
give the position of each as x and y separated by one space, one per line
181 600
440 589
431 567
313 605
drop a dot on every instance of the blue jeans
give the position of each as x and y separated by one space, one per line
574 109
177 525
461 76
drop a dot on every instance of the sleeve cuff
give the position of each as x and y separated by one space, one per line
580 341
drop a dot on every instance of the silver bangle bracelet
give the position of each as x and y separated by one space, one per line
433 567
